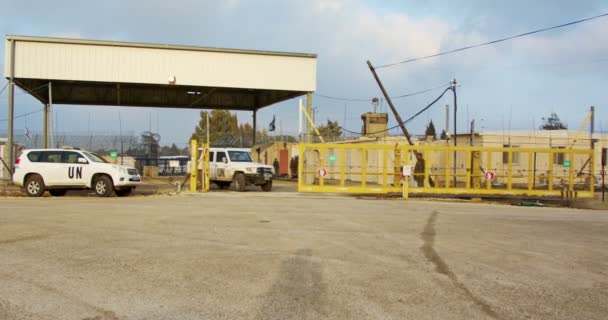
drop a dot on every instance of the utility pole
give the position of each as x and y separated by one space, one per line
472 132
455 111
391 105
592 127
447 123
255 120
592 164
45 123
300 107
207 125
455 132
122 149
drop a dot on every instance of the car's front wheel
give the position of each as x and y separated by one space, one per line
239 182
34 186
103 186
267 186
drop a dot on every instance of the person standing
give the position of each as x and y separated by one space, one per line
275 164
294 167
419 169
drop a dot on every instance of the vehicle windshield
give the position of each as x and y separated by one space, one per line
94 157
239 156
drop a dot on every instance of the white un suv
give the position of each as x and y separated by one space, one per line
59 170
234 166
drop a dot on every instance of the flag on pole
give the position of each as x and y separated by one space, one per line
28 135
272 127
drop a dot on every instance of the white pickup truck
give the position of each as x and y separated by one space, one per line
235 166
60 170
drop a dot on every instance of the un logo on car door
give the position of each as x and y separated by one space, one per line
75 171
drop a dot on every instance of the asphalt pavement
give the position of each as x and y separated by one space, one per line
278 255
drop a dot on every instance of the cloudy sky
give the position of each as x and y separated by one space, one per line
511 85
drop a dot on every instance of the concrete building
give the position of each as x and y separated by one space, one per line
375 124
541 139
282 151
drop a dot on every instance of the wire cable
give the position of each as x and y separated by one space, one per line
3 88
395 97
406 121
421 92
427 107
22 115
494 41
341 99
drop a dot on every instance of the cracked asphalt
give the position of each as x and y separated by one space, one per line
277 256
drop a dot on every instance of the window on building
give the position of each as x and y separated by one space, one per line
505 155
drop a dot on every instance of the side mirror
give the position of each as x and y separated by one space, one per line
82 160
225 160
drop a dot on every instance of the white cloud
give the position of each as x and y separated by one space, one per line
586 41
330 5
230 4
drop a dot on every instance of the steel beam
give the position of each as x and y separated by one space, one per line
11 110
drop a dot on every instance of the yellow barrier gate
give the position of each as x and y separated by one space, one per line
376 169
199 167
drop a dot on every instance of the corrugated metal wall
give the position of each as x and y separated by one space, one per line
104 63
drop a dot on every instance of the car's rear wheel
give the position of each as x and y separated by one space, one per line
267 186
34 186
58 192
124 192
239 182
103 186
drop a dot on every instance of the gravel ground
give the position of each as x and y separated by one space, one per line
255 255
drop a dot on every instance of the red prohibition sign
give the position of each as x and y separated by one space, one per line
322 172
490 176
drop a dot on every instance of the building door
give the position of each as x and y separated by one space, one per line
283 162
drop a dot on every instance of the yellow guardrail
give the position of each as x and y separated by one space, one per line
376 169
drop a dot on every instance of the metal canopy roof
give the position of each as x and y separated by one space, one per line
91 72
